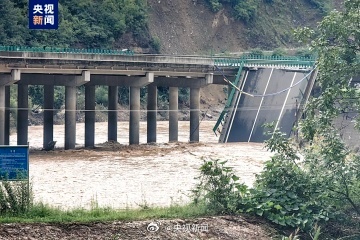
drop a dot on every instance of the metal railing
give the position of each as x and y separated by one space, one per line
65 50
262 60
223 114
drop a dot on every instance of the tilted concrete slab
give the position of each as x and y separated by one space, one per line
278 97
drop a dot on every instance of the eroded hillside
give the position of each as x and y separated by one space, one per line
190 27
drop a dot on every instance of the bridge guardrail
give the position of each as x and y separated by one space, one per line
229 100
65 50
261 60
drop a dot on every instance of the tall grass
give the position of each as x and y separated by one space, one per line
15 197
16 205
44 213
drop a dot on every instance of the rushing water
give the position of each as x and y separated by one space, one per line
121 176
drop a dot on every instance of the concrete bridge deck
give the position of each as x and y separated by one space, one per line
72 69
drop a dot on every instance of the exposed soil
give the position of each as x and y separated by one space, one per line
190 27
222 227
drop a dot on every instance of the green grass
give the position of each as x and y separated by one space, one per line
41 213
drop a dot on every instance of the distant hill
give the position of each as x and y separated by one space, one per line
174 27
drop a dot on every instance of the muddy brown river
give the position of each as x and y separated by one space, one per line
121 176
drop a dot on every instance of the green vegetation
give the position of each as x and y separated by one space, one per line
43 213
16 205
246 10
322 187
82 24
14 197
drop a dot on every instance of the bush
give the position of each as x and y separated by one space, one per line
215 5
257 52
101 95
184 94
15 197
156 44
245 10
306 53
279 52
218 189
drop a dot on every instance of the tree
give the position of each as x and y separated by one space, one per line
326 182
337 44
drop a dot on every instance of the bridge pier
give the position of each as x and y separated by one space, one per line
173 114
70 117
112 113
48 115
2 114
7 115
89 115
152 112
22 115
134 126
194 114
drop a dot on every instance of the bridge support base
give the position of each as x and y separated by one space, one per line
48 115
173 114
70 117
151 114
134 126
194 114
89 116
112 114
22 115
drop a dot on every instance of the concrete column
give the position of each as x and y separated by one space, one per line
7 115
22 115
70 117
48 114
194 114
151 114
2 114
112 113
134 127
173 114
89 116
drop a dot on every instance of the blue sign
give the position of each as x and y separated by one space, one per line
43 14
14 162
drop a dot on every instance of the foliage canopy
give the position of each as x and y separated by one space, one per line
82 24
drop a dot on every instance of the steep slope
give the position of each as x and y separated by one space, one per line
190 27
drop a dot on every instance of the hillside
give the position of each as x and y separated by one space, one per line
190 27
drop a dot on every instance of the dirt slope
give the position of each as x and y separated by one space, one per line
189 27
224 227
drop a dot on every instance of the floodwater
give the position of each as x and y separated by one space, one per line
121 176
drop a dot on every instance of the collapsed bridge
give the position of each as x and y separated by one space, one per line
72 68
263 94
